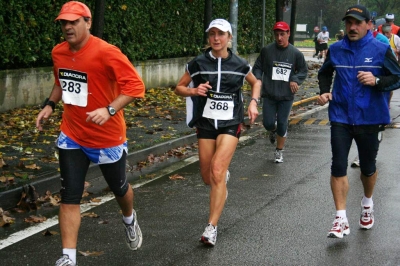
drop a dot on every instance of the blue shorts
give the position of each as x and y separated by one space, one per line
366 138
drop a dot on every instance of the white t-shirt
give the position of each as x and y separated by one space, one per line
323 37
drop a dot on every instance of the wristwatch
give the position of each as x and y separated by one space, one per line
377 81
50 103
254 99
111 110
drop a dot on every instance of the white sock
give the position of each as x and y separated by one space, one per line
341 213
71 252
367 201
128 220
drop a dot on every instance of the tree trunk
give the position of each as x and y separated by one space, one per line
207 18
98 18
293 21
279 10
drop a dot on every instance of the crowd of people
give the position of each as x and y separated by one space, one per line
95 81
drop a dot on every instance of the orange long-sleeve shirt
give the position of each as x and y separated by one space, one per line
92 78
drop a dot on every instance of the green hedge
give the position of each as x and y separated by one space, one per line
151 29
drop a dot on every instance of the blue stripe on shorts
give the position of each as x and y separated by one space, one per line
98 156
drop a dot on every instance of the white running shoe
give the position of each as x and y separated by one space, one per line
209 236
366 217
278 156
340 228
133 234
227 177
356 163
64 260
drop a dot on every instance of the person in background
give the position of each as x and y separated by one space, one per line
394 40
95 81
389 18
357 110
316 46
323 39
340 35
215 79
282 69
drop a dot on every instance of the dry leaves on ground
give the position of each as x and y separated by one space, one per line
176 177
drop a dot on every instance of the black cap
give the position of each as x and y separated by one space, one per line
358 12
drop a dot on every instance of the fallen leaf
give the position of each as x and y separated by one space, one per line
90 215
5 219
49 233
91 253
95 200
176 177
35 219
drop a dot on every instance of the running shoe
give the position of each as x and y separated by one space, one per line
209 236
272 136
356 163
64 260
227 176
366 217
278 156
133 234
339 229
380 136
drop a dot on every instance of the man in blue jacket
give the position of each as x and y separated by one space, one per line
358 109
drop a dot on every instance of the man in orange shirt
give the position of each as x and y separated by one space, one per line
389 18
95 81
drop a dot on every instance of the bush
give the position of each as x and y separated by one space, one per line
143 30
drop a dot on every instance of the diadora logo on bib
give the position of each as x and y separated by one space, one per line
70 74
368 60
282 64
221 96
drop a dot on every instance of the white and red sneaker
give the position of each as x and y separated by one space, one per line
367 217
340 228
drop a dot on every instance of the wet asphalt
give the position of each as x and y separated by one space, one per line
276 214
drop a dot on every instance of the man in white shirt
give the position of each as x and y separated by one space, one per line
323 38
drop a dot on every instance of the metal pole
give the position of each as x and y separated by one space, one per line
320 21
263 25
233 17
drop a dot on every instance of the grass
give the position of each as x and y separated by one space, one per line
309 43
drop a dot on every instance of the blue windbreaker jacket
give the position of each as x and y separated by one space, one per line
352 102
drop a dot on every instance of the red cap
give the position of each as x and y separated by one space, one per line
280 25
73 10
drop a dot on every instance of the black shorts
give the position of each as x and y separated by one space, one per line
323 46
213 134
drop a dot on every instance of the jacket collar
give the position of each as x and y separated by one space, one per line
210 56
357 44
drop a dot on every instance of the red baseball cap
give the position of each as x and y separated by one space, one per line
73 10
281 25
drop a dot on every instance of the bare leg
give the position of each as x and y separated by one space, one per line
206 153
126 202
369 184
70 220
340 188
225 148
280 142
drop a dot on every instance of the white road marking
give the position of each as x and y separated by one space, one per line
23 234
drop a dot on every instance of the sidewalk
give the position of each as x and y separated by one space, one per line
155 139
